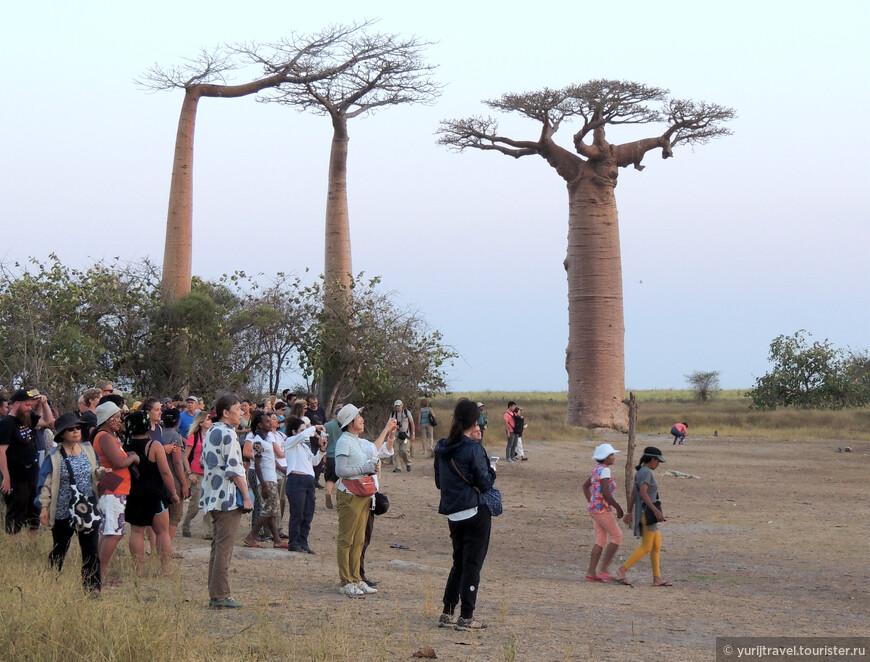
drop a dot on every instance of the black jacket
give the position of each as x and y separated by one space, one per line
472 461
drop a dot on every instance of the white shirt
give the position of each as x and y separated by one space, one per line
297 448
264 448
372 452
278 437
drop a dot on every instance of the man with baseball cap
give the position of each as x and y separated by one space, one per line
185 419
20 443
404 436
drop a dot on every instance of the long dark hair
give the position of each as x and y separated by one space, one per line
649 453
464 416
291 425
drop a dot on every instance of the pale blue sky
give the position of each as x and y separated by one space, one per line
723 248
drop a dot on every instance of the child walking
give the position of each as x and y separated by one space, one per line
599 488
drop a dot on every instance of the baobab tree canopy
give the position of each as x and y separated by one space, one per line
294 59
595 356
387 70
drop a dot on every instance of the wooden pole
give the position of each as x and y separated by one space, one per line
629 453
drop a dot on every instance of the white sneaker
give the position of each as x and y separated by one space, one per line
365 588
351 590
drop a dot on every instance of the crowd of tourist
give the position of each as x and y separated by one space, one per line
92 472
131 469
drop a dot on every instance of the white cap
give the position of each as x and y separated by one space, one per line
397 403
105 411
193 397
603 451
346 414
480 404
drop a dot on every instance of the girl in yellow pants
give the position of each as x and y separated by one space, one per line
646 493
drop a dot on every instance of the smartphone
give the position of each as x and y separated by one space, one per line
494 459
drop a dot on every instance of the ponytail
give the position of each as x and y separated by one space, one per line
464 417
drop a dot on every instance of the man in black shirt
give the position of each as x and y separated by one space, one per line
20 443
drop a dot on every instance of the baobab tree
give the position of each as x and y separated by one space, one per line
297 59
389 70
595 357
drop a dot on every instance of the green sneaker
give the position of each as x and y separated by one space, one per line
468 625
224 603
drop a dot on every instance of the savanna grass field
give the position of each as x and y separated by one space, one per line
770 537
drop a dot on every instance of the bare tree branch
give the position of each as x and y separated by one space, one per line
548 106
695 122
207 67
383 70
482 133
602 102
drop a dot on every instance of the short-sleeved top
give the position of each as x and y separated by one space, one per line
221 461
403 418
264 450
172 437
104 437
185 420
333 432
424 415
679 427
82 471
22 454
597 504
519 424
195 441
278 437
509 419
644 475
372 452
316 416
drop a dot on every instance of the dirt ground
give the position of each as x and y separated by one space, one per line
771 539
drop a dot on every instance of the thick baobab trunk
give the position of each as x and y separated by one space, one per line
595 357
337 268
177 258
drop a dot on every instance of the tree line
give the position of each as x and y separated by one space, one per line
62 329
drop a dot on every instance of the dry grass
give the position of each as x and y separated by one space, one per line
728 414
46 616
740 560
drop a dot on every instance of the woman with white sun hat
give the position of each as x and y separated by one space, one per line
599 489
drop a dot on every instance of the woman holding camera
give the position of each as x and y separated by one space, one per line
300 480
353 499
